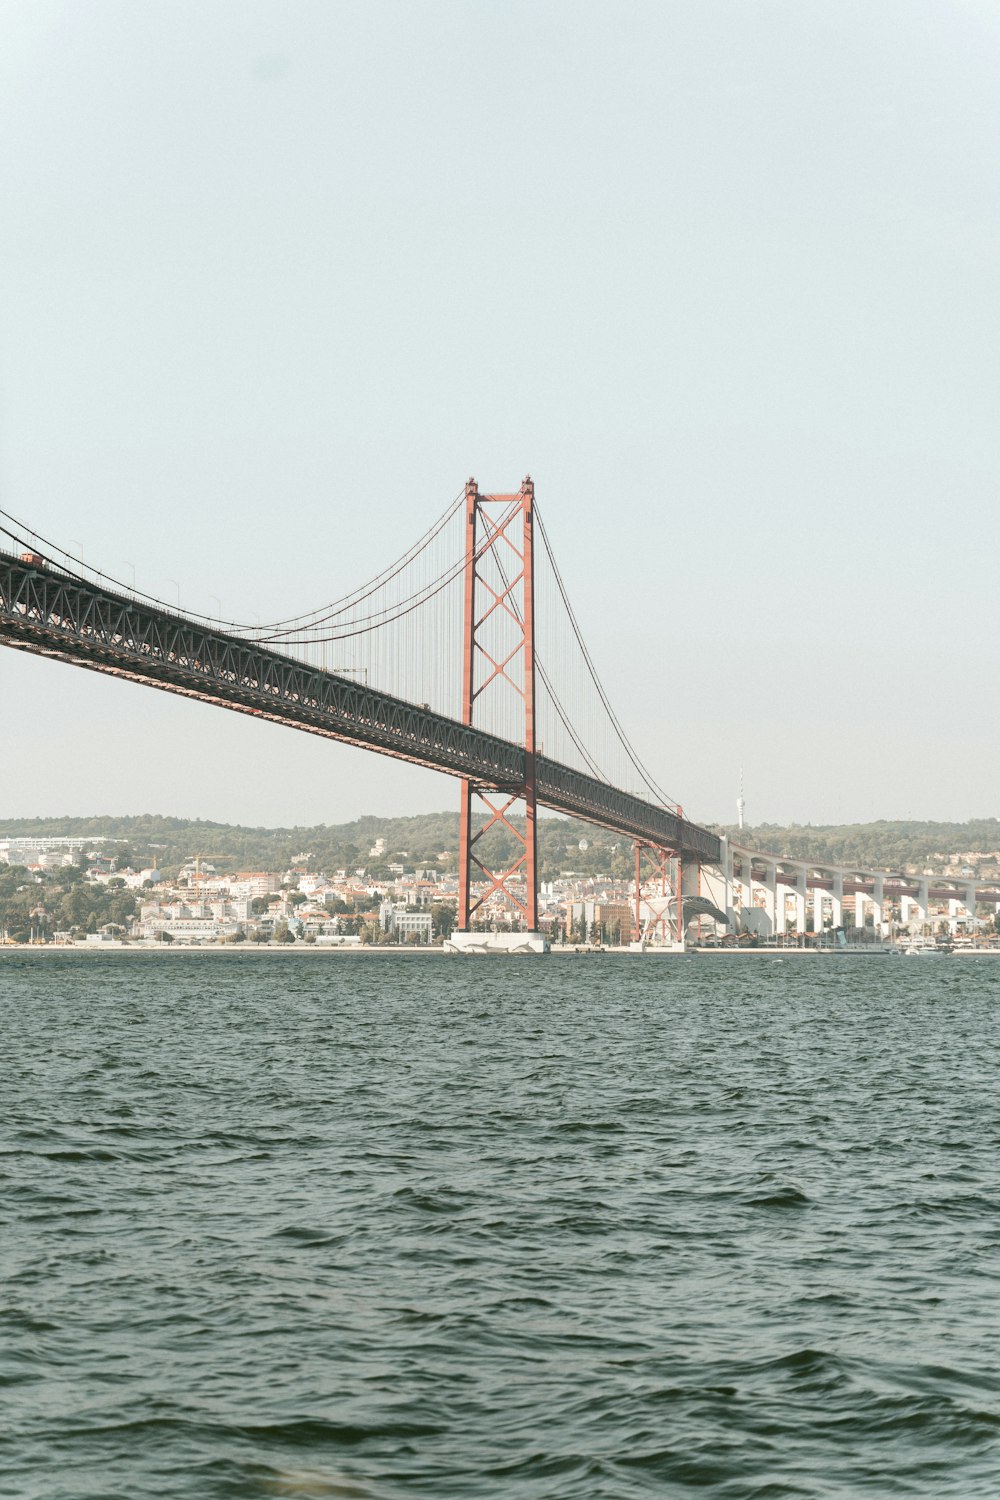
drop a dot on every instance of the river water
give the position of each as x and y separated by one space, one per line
392 1226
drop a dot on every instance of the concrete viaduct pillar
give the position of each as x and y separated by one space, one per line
970 906
837 899
771 890
801 888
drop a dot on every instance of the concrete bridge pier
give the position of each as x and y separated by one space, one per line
801 890
817 906
921 904
721 881
837 899
770 883
746 895
970 906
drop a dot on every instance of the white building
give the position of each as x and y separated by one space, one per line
402 922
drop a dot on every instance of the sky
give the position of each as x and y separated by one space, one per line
277 278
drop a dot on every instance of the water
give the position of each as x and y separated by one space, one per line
387 1227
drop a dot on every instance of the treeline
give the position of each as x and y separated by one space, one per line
431 840
878 845
426 840
59 901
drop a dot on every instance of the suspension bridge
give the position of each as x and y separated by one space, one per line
464 655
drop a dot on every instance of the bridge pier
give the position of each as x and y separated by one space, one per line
837 899
817 906
770 884
878 904
746 895
970 906
800 890
921 903
651 913
496 942
499 650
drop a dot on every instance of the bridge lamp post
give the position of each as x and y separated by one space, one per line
131 565
178 588
218 612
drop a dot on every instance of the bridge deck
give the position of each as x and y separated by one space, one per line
51 614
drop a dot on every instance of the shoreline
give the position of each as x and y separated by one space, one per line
304 950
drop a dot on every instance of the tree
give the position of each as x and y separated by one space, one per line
444 915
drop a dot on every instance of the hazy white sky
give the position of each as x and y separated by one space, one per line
722 276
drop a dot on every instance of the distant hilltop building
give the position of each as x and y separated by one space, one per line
48 853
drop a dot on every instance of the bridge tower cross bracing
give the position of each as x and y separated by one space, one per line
499 591
652 869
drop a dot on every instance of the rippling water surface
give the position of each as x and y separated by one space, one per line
598 1227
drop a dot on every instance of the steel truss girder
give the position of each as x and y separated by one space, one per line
50 614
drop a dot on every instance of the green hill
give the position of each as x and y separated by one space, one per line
432 839
878 845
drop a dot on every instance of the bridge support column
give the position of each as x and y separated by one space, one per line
878 905
729 873
801 889
837 899
499 652
915 911
652 896
970 906
771 896
746 902
690 884
817 906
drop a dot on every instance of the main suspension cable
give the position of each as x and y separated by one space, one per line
34 540
626 744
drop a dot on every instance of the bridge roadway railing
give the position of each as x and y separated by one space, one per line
51 614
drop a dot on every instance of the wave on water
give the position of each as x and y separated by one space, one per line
560 1232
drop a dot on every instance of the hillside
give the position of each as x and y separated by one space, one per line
878 845
432 839
428 839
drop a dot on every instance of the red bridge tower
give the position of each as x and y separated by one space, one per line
499 660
